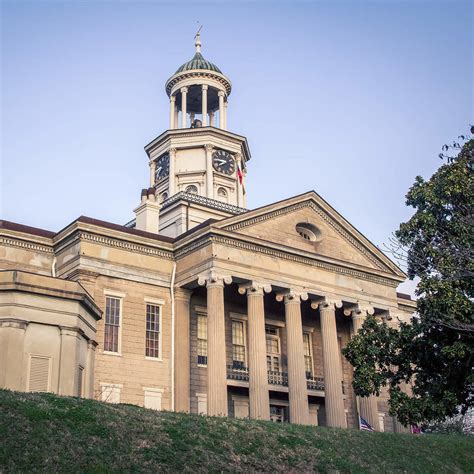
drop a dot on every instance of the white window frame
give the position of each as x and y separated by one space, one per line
310 336
114 388
244 335
202 314
278 339
40 356
154 393
160 303
121 297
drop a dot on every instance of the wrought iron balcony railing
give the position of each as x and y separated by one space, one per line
275 377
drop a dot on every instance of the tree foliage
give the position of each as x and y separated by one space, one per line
428 364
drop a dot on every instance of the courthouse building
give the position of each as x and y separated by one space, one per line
199 304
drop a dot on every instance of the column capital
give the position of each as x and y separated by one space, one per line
183 90
359 310
327 303
70 331
91 344
209 147
205 87
292 296
238 157
173 151
172 98
214 279
221 94
255 288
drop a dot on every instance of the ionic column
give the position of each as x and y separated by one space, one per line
152 173
172 110
257 350
182 370
184 95
368 409
171 176
209 172
204 105
225 114
216 350
240 186
297 387
334 401
89 377
176 116
69 361
221 95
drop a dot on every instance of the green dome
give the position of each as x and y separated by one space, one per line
198 62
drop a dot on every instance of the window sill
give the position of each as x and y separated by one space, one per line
115 354
155 359
202 365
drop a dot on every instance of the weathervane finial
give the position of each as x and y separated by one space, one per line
197 39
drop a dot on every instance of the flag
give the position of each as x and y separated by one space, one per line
239 174
364 425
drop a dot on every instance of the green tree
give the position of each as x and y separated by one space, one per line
434 355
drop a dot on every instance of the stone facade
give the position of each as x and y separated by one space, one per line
199 305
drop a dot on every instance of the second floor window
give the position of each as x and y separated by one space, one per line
152 341
201 339
308 358
273 348
238 345
112 324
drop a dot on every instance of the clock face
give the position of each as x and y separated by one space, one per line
223 162
162 167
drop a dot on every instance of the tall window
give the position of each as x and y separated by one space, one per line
112 324
238 345
202 339
308 358
273 348
152 346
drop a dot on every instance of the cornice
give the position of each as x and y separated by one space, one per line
193 73
204 201
327 218
265 250
25 244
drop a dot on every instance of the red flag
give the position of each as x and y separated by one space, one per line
239 174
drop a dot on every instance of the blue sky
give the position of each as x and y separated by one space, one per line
351 99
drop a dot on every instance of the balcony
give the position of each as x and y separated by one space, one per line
241 374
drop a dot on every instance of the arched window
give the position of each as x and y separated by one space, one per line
308 232
222 194
191 189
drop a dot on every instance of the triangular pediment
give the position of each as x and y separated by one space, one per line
337 239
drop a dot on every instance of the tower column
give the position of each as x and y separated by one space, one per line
152 172
172 110
297 387
176 116
225 114
204 105
184 95
257 353
221 95
171 183
334 401
216 350
211 119
209 172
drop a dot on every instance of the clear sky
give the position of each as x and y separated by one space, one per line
352 99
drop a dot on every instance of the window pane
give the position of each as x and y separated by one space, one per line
152 348
112 324
201 339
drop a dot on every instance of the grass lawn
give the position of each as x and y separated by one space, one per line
44 432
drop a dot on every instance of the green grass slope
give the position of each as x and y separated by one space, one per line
44 432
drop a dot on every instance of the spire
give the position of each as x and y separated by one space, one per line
197 40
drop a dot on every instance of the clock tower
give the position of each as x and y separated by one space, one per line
197 167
